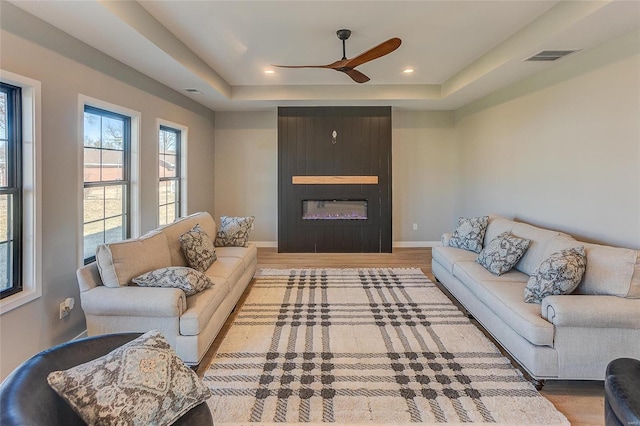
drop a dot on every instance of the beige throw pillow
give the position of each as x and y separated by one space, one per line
118 263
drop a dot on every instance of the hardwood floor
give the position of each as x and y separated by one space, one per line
582 402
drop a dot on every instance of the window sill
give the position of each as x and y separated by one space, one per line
15 301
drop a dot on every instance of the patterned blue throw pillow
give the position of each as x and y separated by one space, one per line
234 231
560 273
198 249
186 279
469 234
502 253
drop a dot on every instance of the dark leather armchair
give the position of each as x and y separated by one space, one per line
27 399
622 392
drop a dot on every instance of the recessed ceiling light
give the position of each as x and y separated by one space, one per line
269 72
408 70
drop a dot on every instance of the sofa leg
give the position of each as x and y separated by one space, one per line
538 384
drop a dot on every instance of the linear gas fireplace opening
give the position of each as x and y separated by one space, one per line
334 210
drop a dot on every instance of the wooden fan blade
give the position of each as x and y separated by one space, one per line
382 49
356 75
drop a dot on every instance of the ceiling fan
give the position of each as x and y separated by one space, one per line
347 65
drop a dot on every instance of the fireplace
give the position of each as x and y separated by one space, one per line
334 180
334 210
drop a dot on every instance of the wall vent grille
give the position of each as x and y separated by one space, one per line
194 91
550 55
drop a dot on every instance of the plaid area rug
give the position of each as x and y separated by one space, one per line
375 346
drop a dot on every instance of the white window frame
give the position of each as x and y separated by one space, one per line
184 136
31 191
134 173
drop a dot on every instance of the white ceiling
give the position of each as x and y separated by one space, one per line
460 50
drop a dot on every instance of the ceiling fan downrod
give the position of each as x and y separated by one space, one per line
343 35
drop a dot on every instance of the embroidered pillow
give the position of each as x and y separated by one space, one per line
234 231
187 279
140 383
470 233
502 253
198 248
560 273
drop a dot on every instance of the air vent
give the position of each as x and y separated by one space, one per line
194 91
550 55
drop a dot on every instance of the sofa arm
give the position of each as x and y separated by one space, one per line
591 311
134 301
445 239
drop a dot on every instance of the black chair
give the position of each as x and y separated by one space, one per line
622 392
27 399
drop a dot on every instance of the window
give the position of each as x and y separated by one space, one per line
10 190
106 165
20 192
169 162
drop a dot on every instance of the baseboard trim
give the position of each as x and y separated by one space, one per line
416 243
274 244
265 243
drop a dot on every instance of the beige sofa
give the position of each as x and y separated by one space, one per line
566 337
191 323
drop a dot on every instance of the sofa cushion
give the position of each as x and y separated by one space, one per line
246 254
118 263
198 248
469 235
449 256
610 271
201 307
234 231
496 226
186 279
179 227
140 383
539 239
558 274
502 253
228 268
503 295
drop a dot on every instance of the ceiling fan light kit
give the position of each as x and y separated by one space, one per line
347 66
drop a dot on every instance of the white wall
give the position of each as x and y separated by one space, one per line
30 328
425 152
561 149
246 170
425 175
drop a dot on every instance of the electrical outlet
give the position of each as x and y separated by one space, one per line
415 226
66 306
